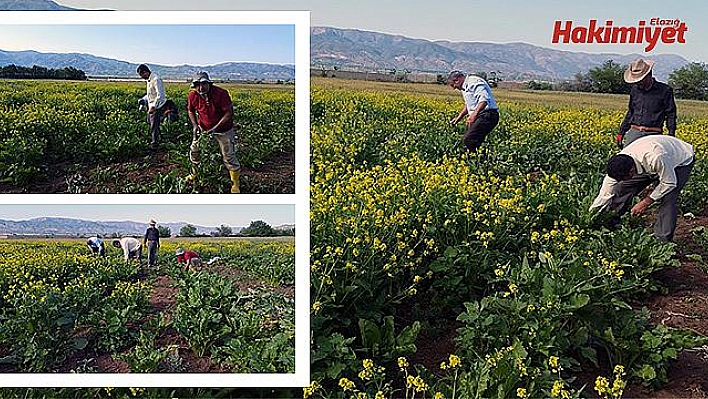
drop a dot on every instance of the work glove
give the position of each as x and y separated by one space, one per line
618 140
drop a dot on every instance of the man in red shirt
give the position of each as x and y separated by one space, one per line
210 110
190 258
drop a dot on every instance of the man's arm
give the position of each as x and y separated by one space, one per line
459 116
228 109
605 195
473 116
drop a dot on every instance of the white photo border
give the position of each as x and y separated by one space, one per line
301 200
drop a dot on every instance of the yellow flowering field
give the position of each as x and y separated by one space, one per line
79 137
65 310
412 236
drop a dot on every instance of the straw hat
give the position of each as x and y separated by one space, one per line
637 70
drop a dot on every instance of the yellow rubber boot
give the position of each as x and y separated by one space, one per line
235 174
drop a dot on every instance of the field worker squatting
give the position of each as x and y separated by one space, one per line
96 246
190 258
480 107
132 249
644 161
210 110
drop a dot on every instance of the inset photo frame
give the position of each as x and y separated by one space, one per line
146 102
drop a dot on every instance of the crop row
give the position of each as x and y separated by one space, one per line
60 307
45 124
405 223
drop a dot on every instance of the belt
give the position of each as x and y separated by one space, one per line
646 128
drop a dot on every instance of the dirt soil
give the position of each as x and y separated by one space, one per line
684 305
276 176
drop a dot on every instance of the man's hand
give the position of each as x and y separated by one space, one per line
642 206
453 122
471 119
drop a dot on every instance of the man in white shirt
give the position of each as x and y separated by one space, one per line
663 159
156 99
95 244
132 249
480 108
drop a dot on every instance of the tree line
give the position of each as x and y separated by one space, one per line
37 72
257 228
689 82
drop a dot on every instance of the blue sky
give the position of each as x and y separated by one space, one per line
203 215
159 44
466 20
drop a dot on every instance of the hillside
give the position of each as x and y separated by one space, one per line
364 50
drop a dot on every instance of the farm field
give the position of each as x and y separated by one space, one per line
435 274
448 275
64 310
89 137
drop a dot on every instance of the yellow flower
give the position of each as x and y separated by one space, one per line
602 385
438 395
553 362
368 363
402 362
454 361
499 272
316 306
557 387
346 384
521 393
379 395
619 370
311 389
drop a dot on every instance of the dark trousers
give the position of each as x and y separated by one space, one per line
154 120
486 121
152 252
665 224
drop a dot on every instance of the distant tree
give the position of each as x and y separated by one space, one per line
287 232
690 81
258 228
188 231
608 78
164 231
534 85
222 231
581 82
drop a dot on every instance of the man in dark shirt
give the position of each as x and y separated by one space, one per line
152 239
651 103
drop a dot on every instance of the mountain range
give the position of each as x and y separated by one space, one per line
73 227
364 50
32 5
354 49
102 66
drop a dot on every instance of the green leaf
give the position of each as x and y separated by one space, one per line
589 354
65 321
408 335
370 333
670 353
80 343
578 301
647 373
